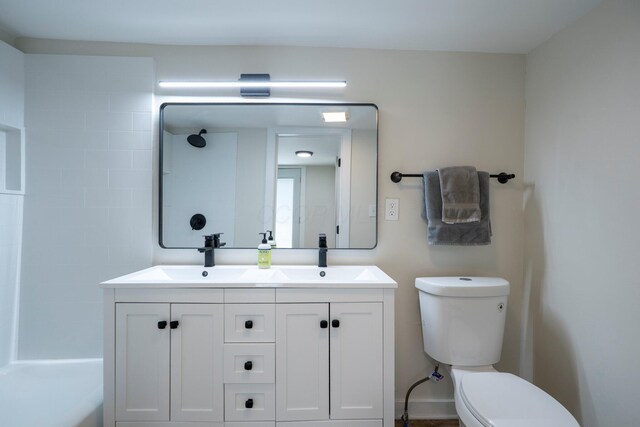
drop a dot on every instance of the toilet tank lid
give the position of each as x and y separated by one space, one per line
459 286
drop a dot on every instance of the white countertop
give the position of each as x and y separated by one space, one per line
250 276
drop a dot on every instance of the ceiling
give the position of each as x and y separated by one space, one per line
325 149
508 26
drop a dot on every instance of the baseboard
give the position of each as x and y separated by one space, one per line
428 409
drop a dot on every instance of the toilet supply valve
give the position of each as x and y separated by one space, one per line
437 376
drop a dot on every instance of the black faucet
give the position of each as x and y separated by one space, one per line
211 242
322 250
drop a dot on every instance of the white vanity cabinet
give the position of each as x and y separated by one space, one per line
248 355
168 362
329 361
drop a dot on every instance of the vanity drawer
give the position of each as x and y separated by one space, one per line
249 402
249 322
249 363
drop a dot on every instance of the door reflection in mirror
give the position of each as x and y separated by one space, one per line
287 227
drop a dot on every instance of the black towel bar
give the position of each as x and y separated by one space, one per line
502 177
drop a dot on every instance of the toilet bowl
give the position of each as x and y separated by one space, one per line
463 322
485 397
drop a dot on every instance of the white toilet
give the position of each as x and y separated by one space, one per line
462 325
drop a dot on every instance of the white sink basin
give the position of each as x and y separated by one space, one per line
252 276
337 274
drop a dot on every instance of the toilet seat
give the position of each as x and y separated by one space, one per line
499 399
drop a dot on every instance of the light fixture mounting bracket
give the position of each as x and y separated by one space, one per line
255 91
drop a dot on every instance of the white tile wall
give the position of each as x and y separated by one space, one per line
10 233
11 86
88 208
12 114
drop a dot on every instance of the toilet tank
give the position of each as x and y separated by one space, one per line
463 318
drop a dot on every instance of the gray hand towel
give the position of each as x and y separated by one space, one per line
460 194
466 234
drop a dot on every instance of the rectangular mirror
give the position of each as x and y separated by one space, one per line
240 169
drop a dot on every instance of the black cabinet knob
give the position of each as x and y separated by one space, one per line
248 404
324 324
248 365
162 324
248 324
174 324
335 323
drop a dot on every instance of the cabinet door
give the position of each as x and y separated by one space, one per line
142 362
197 362
302 362
356 360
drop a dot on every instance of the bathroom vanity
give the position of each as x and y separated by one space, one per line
235 346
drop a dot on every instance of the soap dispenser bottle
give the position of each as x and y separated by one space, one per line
264 252
271 240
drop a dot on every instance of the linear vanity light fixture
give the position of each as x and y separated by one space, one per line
239 84
252 84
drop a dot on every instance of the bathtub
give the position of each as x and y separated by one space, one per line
55 393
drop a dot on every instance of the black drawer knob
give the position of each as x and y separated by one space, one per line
335 323
162 324
248 324
174 324
324 324
248 365
248 404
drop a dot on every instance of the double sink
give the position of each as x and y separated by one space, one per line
239 275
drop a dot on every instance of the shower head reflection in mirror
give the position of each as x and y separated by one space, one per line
197 140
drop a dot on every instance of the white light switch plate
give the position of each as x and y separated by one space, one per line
391 209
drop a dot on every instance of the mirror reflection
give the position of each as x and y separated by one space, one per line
296 170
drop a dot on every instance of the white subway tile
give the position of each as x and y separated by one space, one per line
110 159
118 235
42 100
44 180
129 179
142 159
107 198
70 198
98 120
81 218
125 217
130 101
72 121
142 198
97 140
96 101
130 140
142 121
69 158
120 159
72 100
96 159
39 119
129 255
68 236
84 178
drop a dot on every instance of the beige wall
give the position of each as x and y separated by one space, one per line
582 152
436 109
